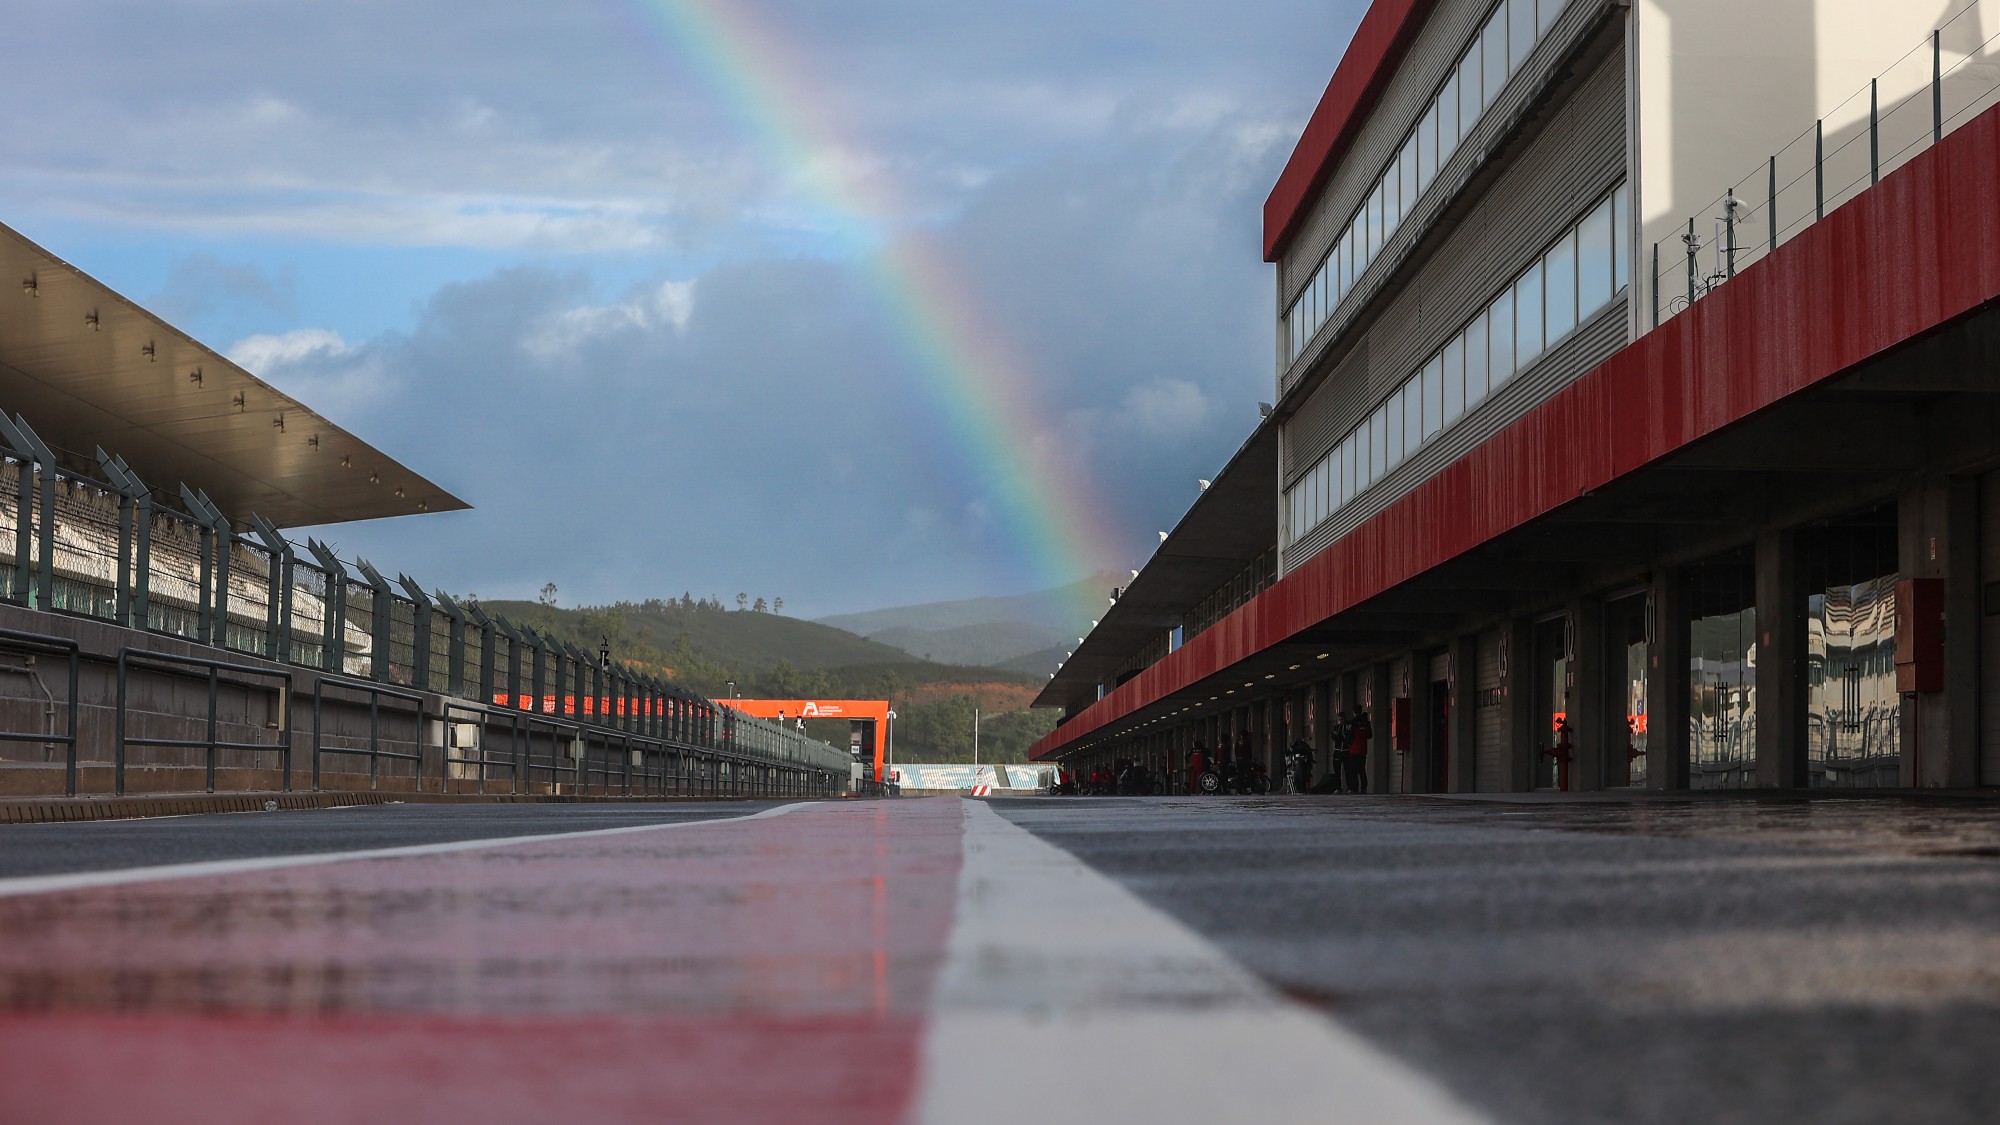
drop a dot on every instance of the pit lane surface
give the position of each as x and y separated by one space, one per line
1712 960
1165 959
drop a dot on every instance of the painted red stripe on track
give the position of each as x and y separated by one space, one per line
772 969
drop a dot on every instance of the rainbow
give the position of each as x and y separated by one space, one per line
970 376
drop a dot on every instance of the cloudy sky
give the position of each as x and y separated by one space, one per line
611 270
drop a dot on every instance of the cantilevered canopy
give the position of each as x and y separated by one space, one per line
88 368
1229 526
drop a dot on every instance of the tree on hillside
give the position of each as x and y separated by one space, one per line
777 605
548 597
741 601
761 606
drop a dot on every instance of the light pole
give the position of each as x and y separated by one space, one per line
975 736
732 688
891 768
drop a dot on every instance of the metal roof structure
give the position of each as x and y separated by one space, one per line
88 367
1229 525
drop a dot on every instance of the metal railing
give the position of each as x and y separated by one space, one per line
145 659
375 694
35 644
1847 150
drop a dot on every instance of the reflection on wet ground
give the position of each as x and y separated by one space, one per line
1899 825
810 912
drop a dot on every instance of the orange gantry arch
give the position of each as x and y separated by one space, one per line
859 710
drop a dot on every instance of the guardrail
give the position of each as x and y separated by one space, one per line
142 658
15 640
374 694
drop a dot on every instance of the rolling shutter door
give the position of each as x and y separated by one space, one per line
1491 759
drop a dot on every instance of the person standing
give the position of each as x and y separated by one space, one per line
1197 765
1342 732
1357 752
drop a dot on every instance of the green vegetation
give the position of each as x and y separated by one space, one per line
704 646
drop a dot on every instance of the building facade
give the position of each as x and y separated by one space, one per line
1633 421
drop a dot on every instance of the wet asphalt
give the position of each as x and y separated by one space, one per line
109 845
1702 961
1715 960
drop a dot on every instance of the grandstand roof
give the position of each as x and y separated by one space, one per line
87 368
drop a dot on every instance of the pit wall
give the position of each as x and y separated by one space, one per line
286 729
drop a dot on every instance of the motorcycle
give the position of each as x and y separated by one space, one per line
1246 778
1298 771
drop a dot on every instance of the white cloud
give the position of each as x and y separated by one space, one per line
667 305
317 367
258 354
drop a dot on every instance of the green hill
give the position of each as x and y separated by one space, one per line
1062 609
990 643
733 638
766 654
1036 664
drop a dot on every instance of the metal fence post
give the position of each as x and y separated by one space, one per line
1819 169
455 646
382 626
420 661
1874 136
1937 86
1693 245
278 645
513 636
333 615
1771 203
34 453
1729 206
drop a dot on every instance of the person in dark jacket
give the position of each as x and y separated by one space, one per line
1357 752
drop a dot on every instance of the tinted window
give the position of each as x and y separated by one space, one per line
1454 382
1493 54
1594 260
1475 360
1469 89
1433 397
1528 317
1500 338
1520 31
1559 287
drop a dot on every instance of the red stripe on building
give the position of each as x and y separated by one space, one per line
1372 56
1909 255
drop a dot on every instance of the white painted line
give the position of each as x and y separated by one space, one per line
1065 998
44 884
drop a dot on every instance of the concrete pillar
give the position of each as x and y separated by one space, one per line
1938 537
1381 757
1587 703
1667 683
1523 739
1464 769
1781 662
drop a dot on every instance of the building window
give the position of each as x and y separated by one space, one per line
1528 315
1570 281
1559 287
1501 47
